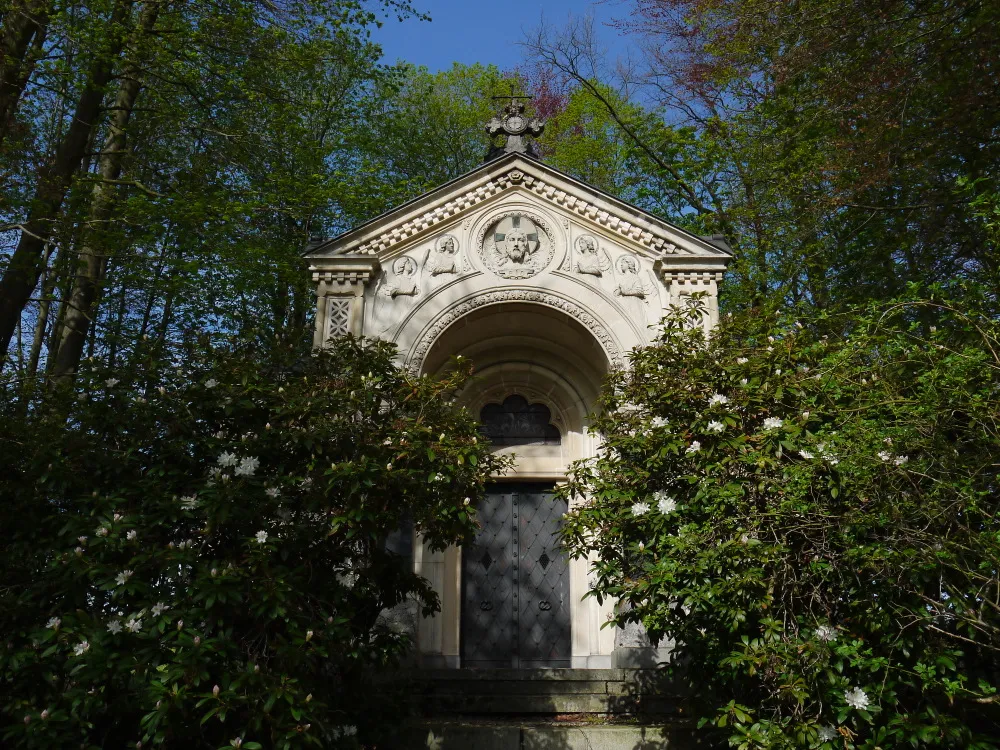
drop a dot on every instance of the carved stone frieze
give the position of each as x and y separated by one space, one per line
592 259
516 244
404 281
443 257
630 283
517 178
429 336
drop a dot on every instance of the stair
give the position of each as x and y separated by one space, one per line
543 709
546 692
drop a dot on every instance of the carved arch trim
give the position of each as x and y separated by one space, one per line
416 356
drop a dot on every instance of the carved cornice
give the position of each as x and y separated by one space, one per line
345 270
429 336
515 177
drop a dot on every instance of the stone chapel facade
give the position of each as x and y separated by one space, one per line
545 283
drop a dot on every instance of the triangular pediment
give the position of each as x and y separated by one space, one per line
516 174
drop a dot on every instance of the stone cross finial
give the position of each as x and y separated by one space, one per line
515 128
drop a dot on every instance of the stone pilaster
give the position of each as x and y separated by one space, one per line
340 288
682 281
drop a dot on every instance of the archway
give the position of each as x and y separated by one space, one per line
547 359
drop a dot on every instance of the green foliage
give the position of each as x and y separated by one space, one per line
196 552
811 516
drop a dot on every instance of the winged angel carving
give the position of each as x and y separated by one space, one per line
591 259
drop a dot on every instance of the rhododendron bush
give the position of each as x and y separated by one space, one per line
807 507
196 556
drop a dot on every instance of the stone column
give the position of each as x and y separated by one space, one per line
340 288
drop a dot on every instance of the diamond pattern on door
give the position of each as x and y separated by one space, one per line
515 582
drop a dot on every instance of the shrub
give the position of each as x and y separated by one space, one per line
195 556
812 517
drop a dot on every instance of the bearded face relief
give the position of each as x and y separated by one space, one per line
516 245
516 248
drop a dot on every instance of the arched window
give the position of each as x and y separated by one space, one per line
516 422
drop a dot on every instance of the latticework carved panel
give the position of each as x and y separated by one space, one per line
339 316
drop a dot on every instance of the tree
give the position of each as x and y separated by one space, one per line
811 517
199 554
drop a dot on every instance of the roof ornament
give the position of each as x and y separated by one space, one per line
515 129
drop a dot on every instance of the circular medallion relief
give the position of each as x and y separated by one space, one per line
516 245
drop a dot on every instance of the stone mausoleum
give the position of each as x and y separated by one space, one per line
545 283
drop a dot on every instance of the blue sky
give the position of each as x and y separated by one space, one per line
470 31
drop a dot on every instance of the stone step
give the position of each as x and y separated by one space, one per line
508 692
455 704
527 736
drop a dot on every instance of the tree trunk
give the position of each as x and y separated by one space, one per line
24 29
43 315
53 182
81 307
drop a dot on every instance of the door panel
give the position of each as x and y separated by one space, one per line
515 582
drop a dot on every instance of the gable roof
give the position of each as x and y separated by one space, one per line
423 214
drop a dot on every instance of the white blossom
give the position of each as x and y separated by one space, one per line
639 509
123 577
642 546
694 447
827 734
54 623
189 502
856 698
717 398
131 535
715 426
773 423
741 360
134 625
659 422
81 648
118 517
227 459
900 460
211 383
236 742
664 503
261 537
111 382
806 454
777 372
826 633
158 609
81 539
114 627
885 456
247 467
744 381
272 492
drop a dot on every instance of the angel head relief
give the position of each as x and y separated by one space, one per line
443 257
591 259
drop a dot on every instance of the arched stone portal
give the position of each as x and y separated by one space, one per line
545 283
550 358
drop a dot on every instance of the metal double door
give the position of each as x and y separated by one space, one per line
515 582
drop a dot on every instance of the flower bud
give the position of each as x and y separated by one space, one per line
466 501
256 668
309 697
197 640
45 714
180 624
27 720
215 691
309 635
